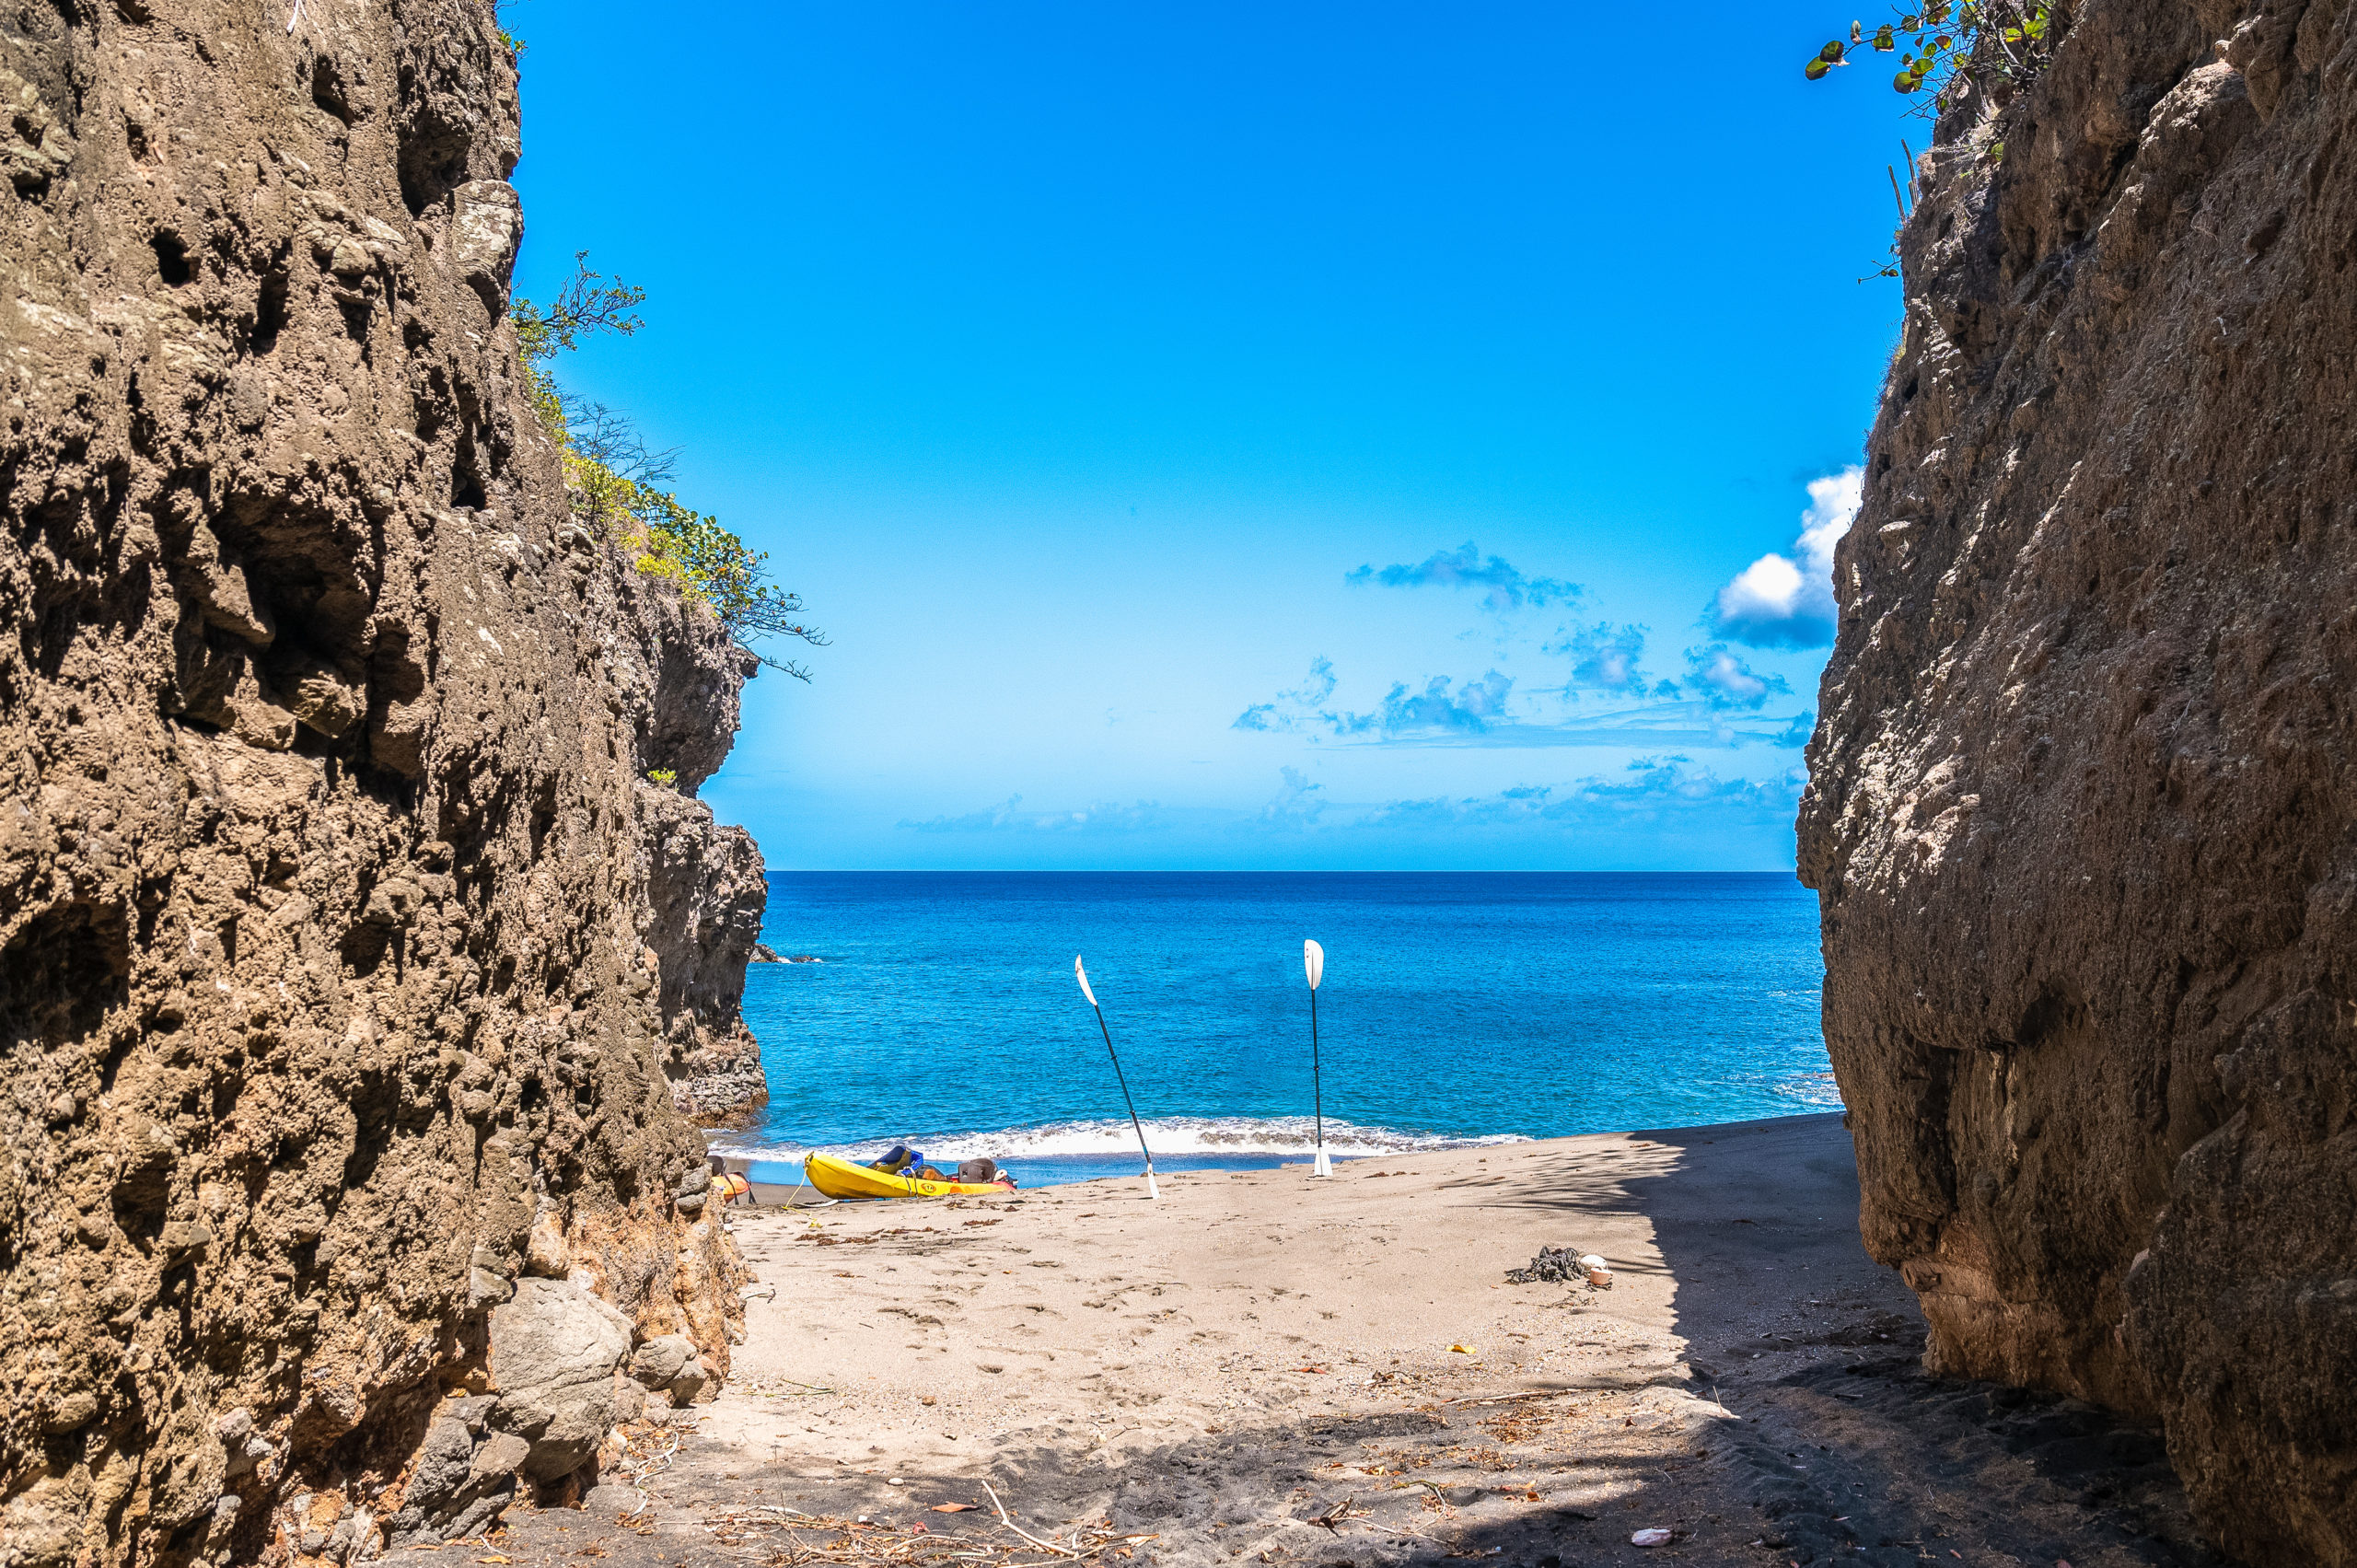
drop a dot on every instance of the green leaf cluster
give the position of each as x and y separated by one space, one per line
1951 46
720 571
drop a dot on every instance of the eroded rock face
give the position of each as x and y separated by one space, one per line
344 946
706 889
2082 804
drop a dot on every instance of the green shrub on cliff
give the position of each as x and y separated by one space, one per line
611 477
711 566
1951 46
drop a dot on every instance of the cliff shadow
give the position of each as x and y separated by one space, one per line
1811 1432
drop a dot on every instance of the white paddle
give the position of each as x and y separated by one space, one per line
1313 960
1081 975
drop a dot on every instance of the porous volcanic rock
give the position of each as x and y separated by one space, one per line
2082 814
705 885
347 955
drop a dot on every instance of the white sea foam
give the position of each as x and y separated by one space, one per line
1810 1089
1280 1135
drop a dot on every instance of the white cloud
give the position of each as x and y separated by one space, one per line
1725 682
1293 806
1605 658
1782 601
1504 587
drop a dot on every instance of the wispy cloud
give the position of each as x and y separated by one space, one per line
1679 724
1652 787
1284 713
1652 791
1724 680
1441 706
1010 816
1296 806
1649 714
1796 734
1504 587
1787 600
1609 658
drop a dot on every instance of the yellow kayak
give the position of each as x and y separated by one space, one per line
843 1178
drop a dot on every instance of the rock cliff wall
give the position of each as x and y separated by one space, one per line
2082 817
351 973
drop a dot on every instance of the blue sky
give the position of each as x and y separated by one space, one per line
1308 437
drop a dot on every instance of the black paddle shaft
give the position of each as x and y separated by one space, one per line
1316 1077
1125 1086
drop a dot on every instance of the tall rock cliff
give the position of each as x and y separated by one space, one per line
353 977
2083 814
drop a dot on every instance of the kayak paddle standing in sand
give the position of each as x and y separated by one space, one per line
1313 959
1081 975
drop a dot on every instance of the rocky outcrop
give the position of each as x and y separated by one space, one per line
706 893
344 944
2082 815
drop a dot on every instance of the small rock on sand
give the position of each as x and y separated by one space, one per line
613 1499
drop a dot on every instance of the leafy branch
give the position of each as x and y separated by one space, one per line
716 567
507 40
589 303
613 479
1955 46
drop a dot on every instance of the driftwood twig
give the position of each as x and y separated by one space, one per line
1019 1529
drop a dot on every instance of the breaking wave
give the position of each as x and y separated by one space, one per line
1816 1090
1172 1135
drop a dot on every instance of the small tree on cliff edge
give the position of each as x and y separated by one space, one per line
612 477
586 303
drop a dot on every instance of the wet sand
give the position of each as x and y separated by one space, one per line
1201 1379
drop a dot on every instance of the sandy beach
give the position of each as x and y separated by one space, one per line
1267 1367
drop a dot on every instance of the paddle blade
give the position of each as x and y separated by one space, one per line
1313 959
1082 975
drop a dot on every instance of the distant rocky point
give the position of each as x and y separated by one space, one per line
765 954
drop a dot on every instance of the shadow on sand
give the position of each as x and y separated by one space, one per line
1799 1428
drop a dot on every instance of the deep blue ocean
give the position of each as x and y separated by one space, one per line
1456 1009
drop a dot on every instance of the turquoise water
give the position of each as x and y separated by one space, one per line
1456 1008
